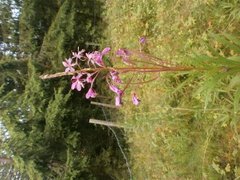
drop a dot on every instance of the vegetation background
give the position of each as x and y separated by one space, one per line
187 126
45 132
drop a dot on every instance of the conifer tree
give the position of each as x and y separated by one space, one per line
9 27
36 17
48 134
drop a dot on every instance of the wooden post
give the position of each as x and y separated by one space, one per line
105 123
103 104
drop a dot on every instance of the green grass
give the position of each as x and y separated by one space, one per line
187 124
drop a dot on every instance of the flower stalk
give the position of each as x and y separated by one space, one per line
133 62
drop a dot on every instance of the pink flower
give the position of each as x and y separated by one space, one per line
115 89
77 82
142 40
89 78
106 50
119 92
69 65
91 93
135 99
115 76
118 100
96 56
124 54
90 56
78 55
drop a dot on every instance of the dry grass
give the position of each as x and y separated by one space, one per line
171 134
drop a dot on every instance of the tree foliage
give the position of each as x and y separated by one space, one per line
9 27
45 127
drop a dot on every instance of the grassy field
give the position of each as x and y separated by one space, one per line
187 124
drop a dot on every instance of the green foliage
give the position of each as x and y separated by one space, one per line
55 114
30 167
36 17
44 123
187 125
9 28
75 166
222 65
51 137
72 27
34 92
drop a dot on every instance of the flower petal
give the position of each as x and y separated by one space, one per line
71 69
91 93
115 89
65 64
79 86
118 100
69 61
135 99
142 40
106 50
73 86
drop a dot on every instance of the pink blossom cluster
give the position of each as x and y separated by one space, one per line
95 62
86 66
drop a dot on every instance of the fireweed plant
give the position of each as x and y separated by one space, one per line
85 67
